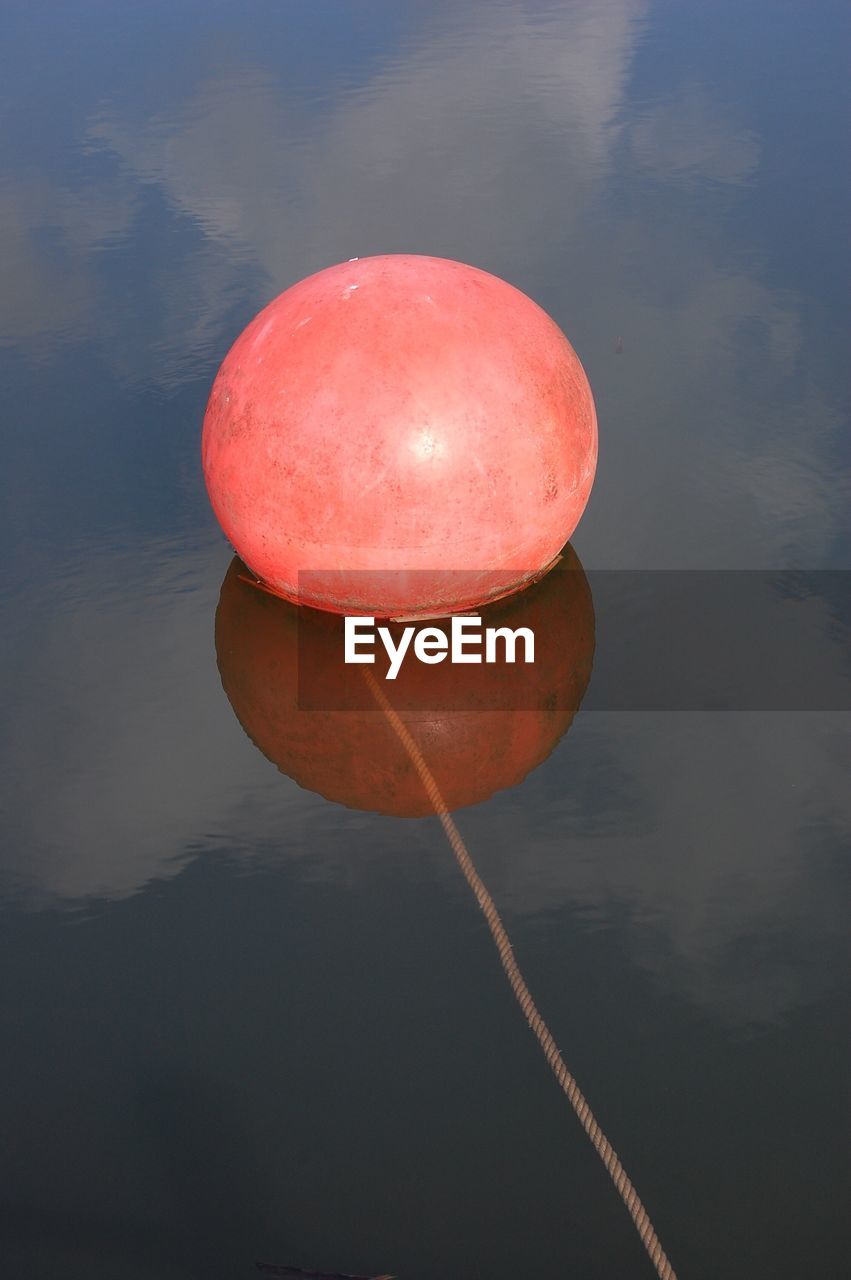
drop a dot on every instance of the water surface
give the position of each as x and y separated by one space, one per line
241 1020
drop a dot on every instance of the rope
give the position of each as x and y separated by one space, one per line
575 1097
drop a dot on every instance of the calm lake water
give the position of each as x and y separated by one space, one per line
242 1019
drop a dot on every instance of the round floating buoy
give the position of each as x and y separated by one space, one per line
411 435
480 728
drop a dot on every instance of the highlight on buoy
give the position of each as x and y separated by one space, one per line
415 433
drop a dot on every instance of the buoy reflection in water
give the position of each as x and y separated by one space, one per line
481 728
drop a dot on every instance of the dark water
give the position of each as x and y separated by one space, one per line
240 1020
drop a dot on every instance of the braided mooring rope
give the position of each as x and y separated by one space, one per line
602 1146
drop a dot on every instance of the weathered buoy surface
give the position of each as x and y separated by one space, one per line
416 433
480 728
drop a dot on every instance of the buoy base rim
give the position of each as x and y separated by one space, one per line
426 614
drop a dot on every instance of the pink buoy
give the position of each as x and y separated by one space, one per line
411 435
